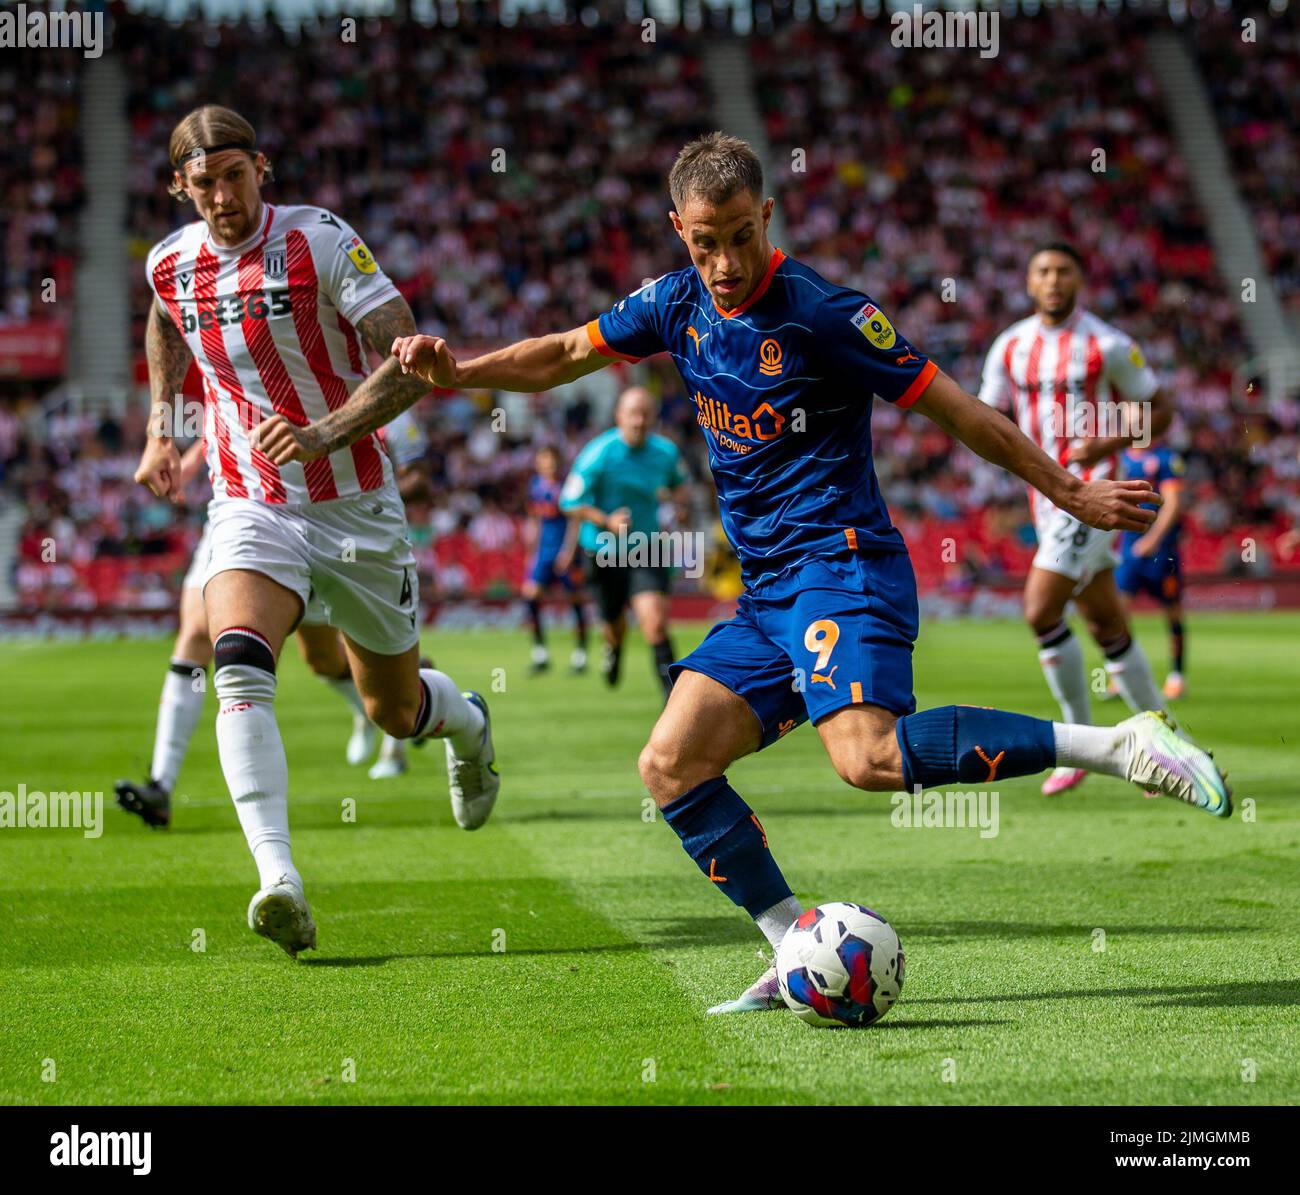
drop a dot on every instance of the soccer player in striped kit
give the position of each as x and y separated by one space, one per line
1062 370
272 303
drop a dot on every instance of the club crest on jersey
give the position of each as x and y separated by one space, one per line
769 358
360 256
875 326
273 264
1135 355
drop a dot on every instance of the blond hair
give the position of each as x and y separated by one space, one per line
205 127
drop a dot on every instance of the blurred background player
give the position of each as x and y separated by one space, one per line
1149 561
272 304
405 442
553 538
615 487
1061 369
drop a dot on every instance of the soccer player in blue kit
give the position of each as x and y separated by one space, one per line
1149 562
555 539
783 367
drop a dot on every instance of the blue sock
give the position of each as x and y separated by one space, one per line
969 743
722 835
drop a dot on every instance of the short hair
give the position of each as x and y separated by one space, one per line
206 126
714 168
1060 247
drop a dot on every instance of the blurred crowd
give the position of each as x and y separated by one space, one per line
40 181
511 180
896 168
1255 92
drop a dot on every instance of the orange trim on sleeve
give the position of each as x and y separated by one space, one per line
855 692
919 383
598 343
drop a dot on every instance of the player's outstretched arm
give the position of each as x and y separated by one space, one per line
169 360
527 366
383 396
1108 505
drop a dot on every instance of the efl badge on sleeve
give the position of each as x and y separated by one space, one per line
875 326
356 249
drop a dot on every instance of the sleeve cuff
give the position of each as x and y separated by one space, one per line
368 304
917 388
599 344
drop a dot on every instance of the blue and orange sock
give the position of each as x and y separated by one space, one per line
973 745
726 840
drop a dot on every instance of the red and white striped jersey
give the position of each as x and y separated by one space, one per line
271 326
1054 378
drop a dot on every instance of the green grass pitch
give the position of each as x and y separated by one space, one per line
613 942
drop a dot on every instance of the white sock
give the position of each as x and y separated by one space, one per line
391 748
346 688
776 920
1063 667
1103 749
178 714
252 758
450 715
1131 673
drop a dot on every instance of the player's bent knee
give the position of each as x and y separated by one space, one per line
870 766
393 716
668 772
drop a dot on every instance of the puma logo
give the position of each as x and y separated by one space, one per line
817 676
695 336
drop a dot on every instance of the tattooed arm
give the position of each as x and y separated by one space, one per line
378 400
169 360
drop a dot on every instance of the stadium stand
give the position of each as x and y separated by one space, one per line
918 168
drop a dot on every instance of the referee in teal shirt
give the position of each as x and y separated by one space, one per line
615 487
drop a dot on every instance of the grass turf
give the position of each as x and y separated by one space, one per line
613 943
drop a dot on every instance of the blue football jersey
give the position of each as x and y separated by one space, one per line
782 387
544 506
1156 465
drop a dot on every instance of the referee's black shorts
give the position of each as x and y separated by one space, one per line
615 584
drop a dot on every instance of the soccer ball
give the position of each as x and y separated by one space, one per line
840 964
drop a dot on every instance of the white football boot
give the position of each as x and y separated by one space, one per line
474 783
391 761
361 742
280 912
763 995
1164 760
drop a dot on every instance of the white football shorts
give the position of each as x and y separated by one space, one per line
1071 548
348 559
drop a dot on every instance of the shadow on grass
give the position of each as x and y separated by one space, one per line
1273 993
378 960
1031 929
939 1023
